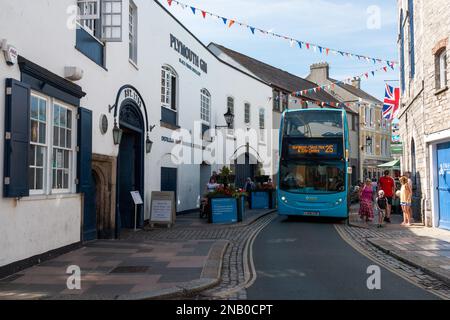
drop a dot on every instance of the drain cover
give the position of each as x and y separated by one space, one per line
130 269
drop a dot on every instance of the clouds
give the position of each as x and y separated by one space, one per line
339 24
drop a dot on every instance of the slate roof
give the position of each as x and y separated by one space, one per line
358 92
277 77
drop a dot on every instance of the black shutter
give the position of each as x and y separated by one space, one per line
84 156
17 139
174 94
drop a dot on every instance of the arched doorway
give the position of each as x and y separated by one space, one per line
130 165
245 167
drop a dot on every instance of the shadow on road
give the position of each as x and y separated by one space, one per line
315 220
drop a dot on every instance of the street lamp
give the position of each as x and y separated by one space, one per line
229 118
117 133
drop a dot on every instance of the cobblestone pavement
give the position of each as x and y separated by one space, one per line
236 271
359 239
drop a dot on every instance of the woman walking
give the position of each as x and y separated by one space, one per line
366 201
406 200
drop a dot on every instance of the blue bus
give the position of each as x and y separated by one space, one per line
313 177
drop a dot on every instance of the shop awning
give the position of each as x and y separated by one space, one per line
391 165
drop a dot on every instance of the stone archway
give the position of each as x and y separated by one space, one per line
104 174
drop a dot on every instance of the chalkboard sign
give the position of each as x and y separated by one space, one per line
162 208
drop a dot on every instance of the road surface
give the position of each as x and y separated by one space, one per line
301 260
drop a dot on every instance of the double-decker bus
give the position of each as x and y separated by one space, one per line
313 177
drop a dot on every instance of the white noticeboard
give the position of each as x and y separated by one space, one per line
162 208
136 197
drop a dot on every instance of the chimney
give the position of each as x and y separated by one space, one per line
356 83
319 72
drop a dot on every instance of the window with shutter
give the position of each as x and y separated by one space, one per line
17 137
84 154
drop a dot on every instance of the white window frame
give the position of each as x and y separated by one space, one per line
45 145
166 87
132 32
205 106
88 15
231 104
247 113
442 61
71 150
111 20
48 156
262 124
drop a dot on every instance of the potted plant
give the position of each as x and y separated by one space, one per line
226 203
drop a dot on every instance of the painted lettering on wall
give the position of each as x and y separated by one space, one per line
188 54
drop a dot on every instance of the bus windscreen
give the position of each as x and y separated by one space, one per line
313 124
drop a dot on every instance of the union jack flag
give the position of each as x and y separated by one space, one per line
391 102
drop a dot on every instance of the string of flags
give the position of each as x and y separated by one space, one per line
293 42
366 75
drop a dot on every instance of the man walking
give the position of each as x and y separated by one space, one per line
387 184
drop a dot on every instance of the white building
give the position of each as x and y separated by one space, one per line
65 180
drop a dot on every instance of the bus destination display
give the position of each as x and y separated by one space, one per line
313 149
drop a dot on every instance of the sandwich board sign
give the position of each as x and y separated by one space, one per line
162 208
137 199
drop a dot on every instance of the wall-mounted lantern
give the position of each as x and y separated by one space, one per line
117 133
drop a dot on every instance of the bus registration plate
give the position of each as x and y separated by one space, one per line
311 213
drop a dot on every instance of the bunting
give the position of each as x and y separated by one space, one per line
345 81
308 45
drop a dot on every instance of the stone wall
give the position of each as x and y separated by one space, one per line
425 110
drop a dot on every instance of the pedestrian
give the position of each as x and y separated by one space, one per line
406 201
374 187
249 187
382 204
366 201
387 184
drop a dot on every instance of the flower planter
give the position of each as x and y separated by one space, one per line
223 210
264 199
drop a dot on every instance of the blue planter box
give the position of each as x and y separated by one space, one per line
224 210
260 200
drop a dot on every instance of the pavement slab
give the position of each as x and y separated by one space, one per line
121 269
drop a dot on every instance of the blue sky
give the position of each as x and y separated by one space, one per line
339 24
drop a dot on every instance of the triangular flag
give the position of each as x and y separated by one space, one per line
203 14
231 23
385 69
328 51
373 73
224 20
320 49
299 44
252 29
307 46
169 2
193 10
292 43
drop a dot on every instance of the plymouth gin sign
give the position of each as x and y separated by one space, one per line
192 61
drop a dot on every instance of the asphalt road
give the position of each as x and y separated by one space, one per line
303 260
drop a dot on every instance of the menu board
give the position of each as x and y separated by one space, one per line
162 208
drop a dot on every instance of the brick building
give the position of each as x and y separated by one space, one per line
424 30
